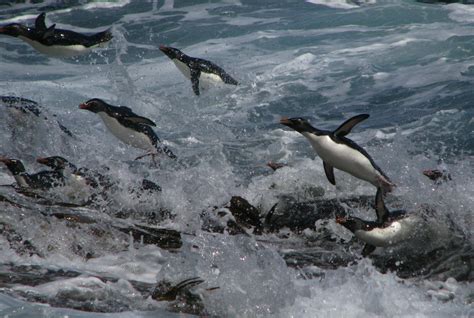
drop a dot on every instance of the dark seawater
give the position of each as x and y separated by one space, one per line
409 65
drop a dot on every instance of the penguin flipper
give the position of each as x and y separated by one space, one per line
195 73
49 32
141 120
127 114
40 24
368 249
380 208
329 170
347 126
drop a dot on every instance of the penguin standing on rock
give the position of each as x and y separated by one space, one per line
127 126
390 228
56 42
338 151
43 180
202 73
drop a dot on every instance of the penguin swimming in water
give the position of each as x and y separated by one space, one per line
338 151
23 110
202 73
43 180
56 42
127 126
81 176
390 228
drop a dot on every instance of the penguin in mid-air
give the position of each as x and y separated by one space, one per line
390 228
43 180
338 151
202 73
127 126
56 42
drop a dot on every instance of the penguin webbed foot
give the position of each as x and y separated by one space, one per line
368 249
152 154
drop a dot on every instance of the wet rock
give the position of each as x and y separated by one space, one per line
31 275
16 241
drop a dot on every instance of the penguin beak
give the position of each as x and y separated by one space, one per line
286 121
432 174
83 106
167 51
5 160
42 160
2 30
341 220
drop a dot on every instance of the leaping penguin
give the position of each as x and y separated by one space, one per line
340 152
390 228
202 73
127 126
44 180
56 42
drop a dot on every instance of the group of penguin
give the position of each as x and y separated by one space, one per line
333 147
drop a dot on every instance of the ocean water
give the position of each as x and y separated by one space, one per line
409 65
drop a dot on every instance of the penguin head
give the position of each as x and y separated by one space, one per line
15 166
55 162
13 29
353 224
299 124
171 52
94 105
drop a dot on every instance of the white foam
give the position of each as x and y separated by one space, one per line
341 4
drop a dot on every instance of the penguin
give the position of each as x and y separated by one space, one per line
202 73
338 151
127 126
22 109
78 176
56 42
43 180
389 229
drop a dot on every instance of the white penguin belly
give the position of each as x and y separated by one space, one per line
344 158
183 68
59 50
206 80
396 232
20 180
127 135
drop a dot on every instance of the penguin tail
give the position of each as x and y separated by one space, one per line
103 36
